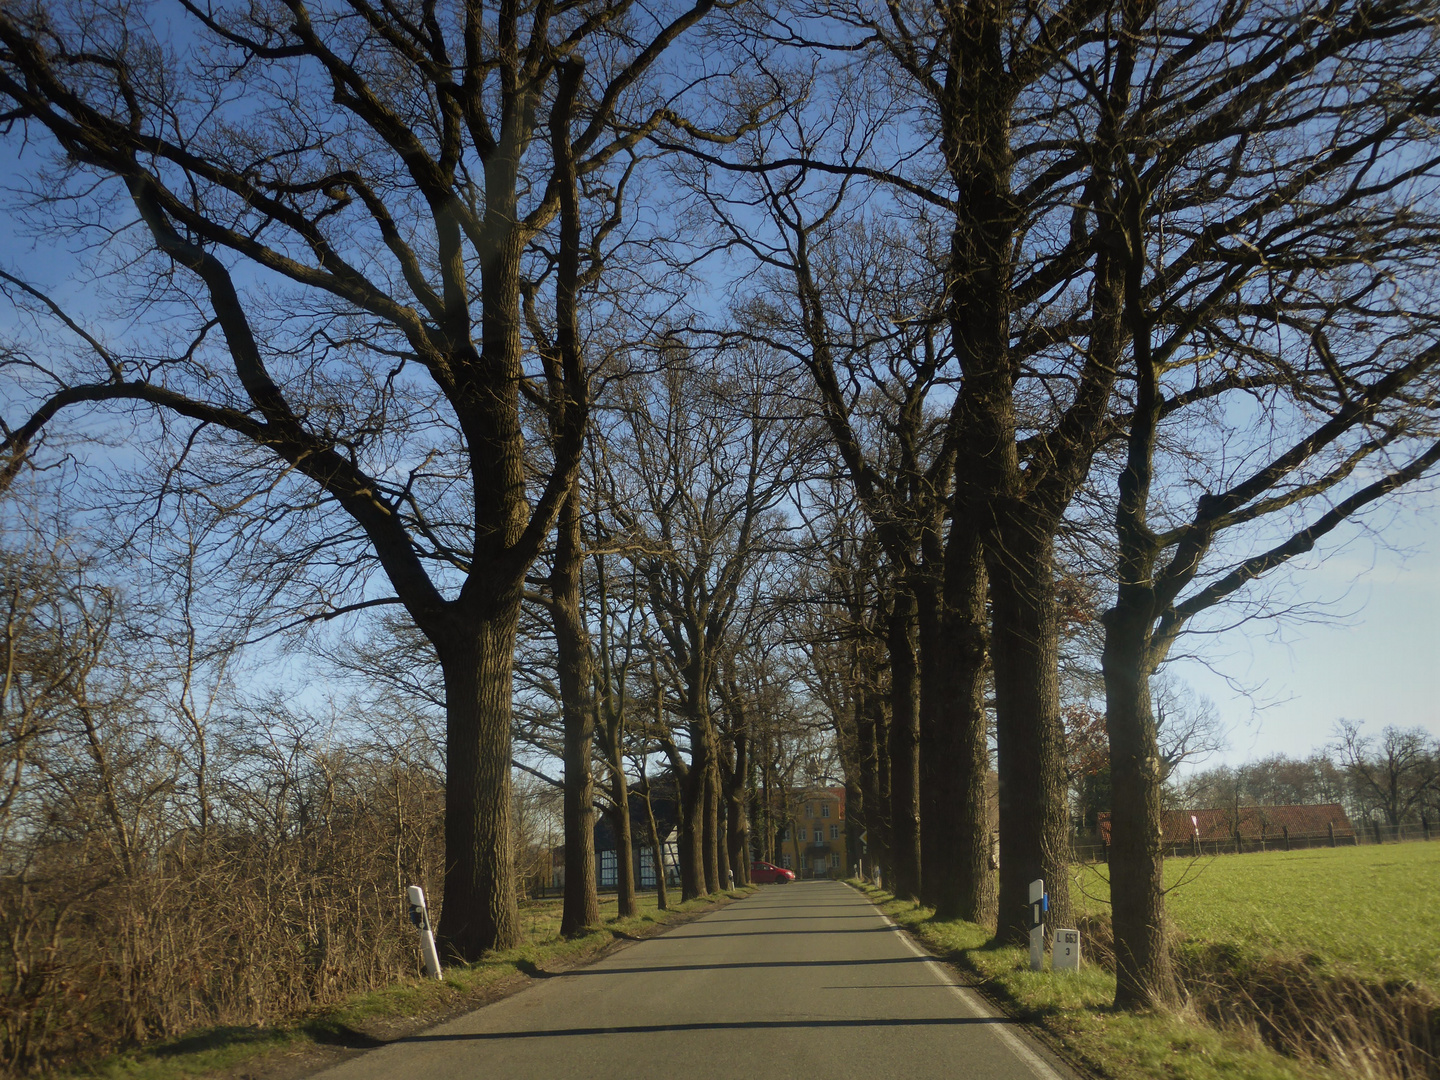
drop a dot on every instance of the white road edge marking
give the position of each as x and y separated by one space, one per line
1038 1065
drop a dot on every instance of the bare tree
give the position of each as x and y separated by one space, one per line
133 897
1023 322
40 659
1273 318
859 302
709 456
377 176
1277 780
1114 180
620 649
836 608
1188 727
1397 775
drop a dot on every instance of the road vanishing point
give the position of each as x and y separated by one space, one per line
805 979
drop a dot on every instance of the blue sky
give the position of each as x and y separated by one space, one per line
1281 686
1372 655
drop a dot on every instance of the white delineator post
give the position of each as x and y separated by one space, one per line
420 916
1038 904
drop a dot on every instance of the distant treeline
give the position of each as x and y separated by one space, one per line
1393 778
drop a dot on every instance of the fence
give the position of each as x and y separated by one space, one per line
1093 850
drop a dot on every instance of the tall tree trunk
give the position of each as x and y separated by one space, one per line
884 841
736 801
765 801
1034 832
479 911
692 831
581 908
657 856
722 833
1143 972
904 749
854 818
861 813
938 791
624 863
873 736
710 833
610 737
955 752
624 843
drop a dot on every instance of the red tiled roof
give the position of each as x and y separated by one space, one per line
1253 822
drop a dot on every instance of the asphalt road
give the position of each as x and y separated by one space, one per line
805 979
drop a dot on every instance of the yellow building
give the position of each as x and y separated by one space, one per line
814 846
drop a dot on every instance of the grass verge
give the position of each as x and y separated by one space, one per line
1074 1014
1328 953
305 1043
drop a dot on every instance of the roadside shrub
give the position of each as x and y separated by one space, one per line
244 926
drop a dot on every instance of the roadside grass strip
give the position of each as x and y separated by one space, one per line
1073 1012
407 1005
1330 954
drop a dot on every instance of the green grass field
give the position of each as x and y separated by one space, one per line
1376 909
1370 912
540 919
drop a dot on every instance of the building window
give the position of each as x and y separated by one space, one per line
647 868
835 860
785 834
825 809
785 861
809 809
802 834
834 832
609 875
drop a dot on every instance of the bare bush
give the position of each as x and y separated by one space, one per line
125 914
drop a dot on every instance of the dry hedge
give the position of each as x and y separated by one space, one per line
244 928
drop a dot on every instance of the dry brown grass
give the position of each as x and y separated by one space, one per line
1366 1027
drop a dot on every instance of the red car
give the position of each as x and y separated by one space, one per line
764 873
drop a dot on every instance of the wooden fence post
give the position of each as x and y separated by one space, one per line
1286 828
